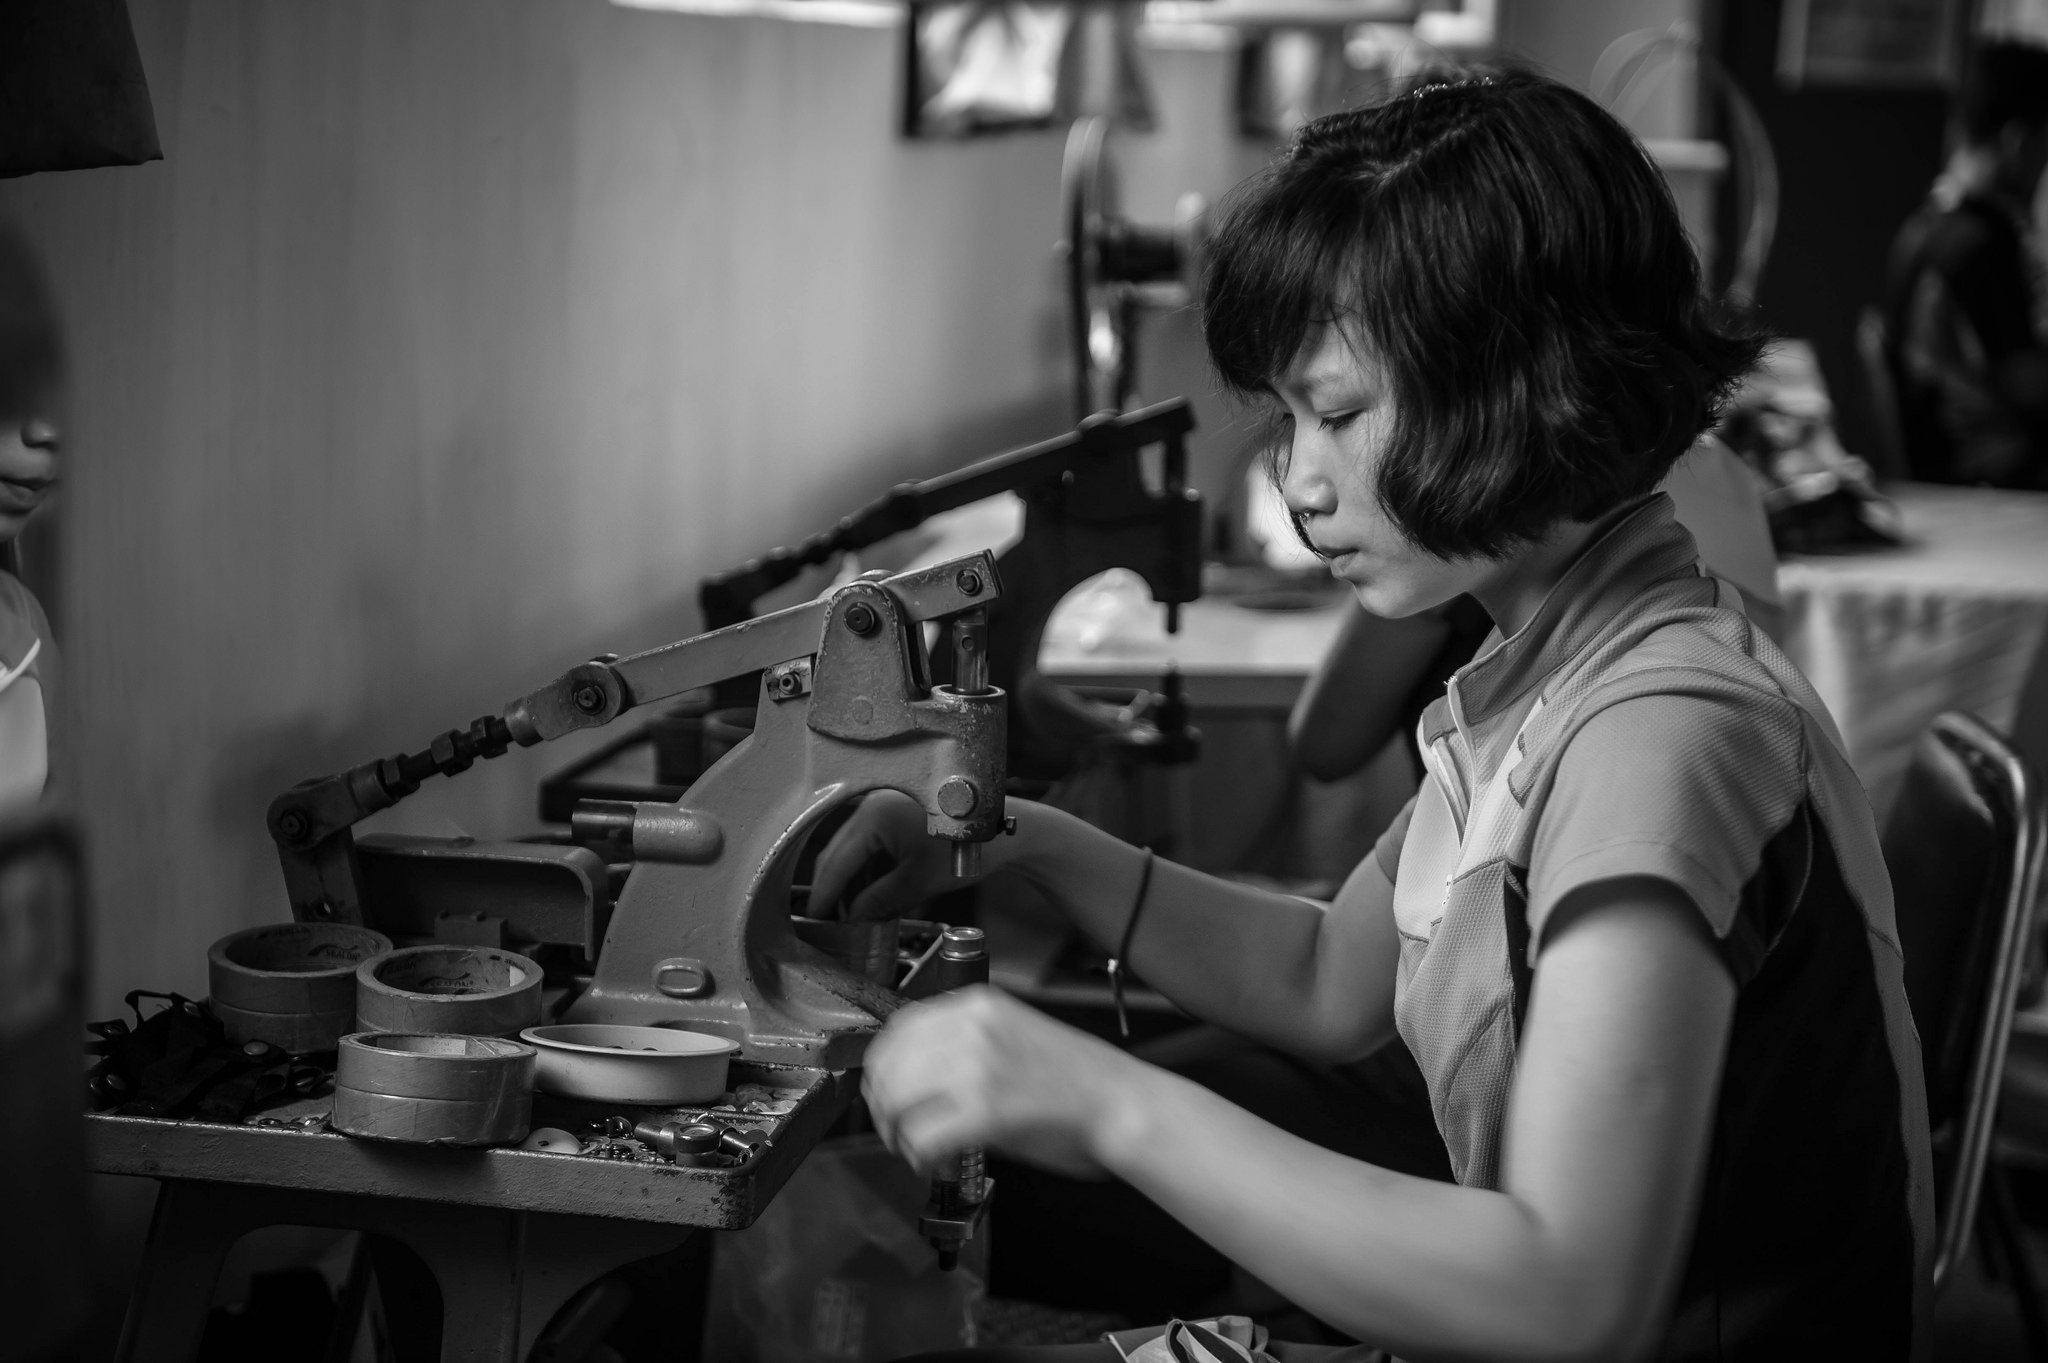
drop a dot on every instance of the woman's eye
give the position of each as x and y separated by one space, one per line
1337 421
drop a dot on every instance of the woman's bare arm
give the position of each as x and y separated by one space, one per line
1308 979
1577 1257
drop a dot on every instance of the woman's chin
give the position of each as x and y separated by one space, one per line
1392 603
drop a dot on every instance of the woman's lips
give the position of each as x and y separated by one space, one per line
19 496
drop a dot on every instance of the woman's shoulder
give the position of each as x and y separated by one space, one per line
1712 656
1691 695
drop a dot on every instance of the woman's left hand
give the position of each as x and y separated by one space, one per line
979 1068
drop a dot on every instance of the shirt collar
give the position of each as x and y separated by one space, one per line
1644 546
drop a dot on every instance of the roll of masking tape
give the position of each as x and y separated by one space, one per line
291 967
290 984
420 1065
431 1121
471 991
294 1032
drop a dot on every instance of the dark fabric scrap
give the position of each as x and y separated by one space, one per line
176 1062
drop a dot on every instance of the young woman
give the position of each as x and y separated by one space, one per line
1634 926
31 383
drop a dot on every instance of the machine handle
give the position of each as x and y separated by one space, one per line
599 691
729 597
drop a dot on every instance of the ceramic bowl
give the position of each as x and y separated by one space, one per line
614 1063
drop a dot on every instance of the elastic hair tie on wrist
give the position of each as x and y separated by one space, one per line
1120 964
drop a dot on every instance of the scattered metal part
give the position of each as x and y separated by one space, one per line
742 1142
676 1140
552 1140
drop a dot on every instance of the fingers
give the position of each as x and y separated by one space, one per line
845 856
928 1133
875 832
892 894
950 1073
977 1067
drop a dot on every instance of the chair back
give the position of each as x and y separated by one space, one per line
1964 846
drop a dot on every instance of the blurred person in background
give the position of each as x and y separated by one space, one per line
44 1297
1967 295
31 378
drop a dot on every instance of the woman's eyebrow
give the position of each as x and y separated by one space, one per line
1332 383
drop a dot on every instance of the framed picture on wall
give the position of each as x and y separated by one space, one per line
974 67
1871 42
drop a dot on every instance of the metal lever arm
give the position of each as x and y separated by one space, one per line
601 690
310 822
730 596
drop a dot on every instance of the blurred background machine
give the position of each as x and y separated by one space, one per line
1117 270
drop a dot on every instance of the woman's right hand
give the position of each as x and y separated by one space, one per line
886 829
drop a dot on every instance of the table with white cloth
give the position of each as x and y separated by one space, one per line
1953 619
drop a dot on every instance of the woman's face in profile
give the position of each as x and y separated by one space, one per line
28 470
1340 418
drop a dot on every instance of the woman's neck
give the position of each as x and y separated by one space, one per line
1514 591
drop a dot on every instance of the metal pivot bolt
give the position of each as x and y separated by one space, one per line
958 797
861 619
969 582
294 825
588 698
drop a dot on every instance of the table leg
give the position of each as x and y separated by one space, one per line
190 1232
503 1274
507 1272
565 1254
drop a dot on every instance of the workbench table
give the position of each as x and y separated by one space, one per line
510 1235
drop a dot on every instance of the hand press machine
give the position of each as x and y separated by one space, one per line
700 936
1087 508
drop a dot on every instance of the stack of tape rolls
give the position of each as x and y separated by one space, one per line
292 985
433 1089
473 991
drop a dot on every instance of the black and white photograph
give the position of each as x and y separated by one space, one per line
1023 681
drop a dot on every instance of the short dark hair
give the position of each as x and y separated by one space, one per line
2007 83
31 342
1513 257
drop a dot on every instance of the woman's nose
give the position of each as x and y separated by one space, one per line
1305 487
39 434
